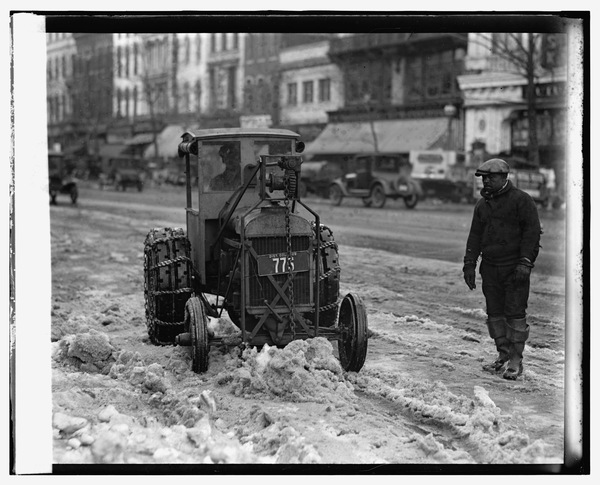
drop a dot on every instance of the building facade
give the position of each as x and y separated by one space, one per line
495 95
310 86
400 93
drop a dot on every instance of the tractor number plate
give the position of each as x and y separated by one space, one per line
273 264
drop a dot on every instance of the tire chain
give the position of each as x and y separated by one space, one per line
335 269
150 243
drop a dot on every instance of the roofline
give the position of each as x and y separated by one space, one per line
213 133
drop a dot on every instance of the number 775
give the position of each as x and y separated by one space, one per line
281 265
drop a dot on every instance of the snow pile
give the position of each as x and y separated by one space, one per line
476 420
276 439
89 352
113 437
305 370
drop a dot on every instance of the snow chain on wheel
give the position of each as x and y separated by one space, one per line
167 283
329 282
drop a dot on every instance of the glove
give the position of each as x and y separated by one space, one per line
523 271
469 274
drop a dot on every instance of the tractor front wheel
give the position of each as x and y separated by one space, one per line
352 323
196 322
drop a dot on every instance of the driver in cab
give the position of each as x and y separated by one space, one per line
229 179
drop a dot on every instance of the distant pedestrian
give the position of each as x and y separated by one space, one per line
505 232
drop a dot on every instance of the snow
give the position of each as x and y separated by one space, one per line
421 397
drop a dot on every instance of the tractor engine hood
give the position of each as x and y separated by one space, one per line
269 221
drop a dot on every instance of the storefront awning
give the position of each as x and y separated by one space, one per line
167 142
140 139
398 136
111 150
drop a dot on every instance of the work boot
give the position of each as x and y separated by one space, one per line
517 334
502 345
497 330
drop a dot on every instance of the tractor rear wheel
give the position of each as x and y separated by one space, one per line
329 280
167 283
352 323
196 323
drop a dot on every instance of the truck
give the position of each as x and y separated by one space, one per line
442 174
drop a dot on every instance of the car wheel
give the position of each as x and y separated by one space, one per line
411 201
377 197
336 195
74 194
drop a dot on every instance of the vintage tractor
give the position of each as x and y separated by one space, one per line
253 249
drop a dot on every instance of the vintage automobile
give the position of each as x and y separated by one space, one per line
528 180
252 249
124 172
375 177
61 179
317 176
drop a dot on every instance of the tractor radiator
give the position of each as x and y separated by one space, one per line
261 288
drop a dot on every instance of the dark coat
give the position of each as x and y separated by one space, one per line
505 228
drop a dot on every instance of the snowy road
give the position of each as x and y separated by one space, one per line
420 399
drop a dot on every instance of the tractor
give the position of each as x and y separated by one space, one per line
253 249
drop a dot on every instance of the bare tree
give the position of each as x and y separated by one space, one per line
156 69
528 55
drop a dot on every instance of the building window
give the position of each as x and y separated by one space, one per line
231 87
213 42
198 48
292 90
185 105
307 92
198 95
119 103
126 61
187 50
223 42
119 64
135 101
324 90
236 41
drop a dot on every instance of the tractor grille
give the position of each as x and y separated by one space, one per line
260 288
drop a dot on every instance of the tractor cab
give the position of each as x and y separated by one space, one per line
252 244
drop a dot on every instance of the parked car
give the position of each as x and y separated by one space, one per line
531 181
61 179
442 174
124 172
317 177
375 177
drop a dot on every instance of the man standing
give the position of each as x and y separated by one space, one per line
505 232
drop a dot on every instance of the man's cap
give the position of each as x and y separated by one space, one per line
494 165
228 148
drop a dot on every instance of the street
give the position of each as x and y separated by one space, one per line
420 398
